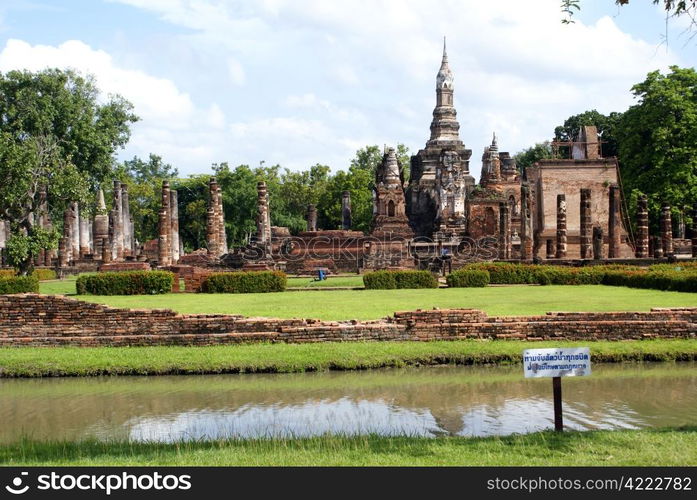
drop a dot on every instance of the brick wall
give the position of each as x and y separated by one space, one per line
45 320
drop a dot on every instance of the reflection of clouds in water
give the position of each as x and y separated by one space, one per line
343 417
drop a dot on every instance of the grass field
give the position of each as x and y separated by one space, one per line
333 281
288 358
671 446
374 304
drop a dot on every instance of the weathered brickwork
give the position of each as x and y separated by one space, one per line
42 320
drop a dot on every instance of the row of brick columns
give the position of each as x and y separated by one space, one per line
168 248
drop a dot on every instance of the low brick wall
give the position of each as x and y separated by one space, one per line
46 320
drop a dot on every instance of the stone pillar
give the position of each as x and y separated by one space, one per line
526 245
67 254
504 231
84 225
614 223
100 227
126 222
174 224
311 218
693 232
597 242
263 229
213 220
550 249
222 234
75 230
657 247
164 228
63 251
642 240
346 211
586 235
117 224
561 227
666 231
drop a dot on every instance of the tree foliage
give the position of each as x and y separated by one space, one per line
527 157
55 135
606 125
658 139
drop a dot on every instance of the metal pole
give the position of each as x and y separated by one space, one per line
558 418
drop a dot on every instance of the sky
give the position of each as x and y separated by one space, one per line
301 82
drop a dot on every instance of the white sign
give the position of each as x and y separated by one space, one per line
557 362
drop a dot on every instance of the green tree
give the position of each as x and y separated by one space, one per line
658 140
527 157
55 134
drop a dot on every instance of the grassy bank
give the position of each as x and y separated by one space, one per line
671 446
374 304
289 358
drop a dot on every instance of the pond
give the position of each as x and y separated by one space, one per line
427 401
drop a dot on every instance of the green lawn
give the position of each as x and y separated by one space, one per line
374 304
333 281
286 358
664 447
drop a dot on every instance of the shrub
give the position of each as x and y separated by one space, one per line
506 273
42 274
126 283
245 282
677 281
379 280
559 275
18 284
465 278
389 280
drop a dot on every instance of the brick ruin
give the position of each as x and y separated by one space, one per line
45 320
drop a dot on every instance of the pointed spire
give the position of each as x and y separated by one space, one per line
444 80
101 205
494 145
445 52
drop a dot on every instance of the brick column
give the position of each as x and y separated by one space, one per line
657 247
525 223
550 249
174 224
117 224
666 230
693 233
63 251
614 223
311 218
597 242
213 220
586 225
100 226
561 227
164 245
222 234
66 254
642 216
263 236
75 230
504 231
126 223
346 211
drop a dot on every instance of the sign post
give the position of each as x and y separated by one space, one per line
557 363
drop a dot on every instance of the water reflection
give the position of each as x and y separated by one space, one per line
428 401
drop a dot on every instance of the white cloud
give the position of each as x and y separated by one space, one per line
236 71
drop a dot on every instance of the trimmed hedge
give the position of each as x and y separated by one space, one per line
42 274
125 283
389 280
464 278
506 273
676 281
18 284
245 282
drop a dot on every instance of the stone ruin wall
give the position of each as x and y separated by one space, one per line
41 320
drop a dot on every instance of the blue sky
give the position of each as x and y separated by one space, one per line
299 82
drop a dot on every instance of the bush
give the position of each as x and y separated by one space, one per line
389 280
18 284
677 281
42 274
464 278
245 282
126 283
559 275
506 273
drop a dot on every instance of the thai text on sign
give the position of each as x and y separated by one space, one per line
557 362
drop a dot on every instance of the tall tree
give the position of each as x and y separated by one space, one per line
606 125
529 156
55 134
658 139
